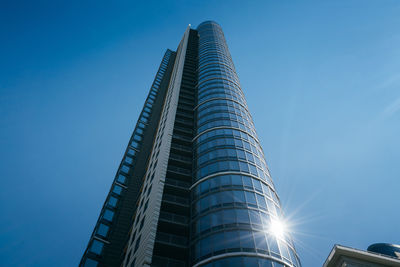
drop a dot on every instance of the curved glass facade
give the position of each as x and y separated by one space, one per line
233 197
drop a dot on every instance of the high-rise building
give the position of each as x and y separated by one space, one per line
193 188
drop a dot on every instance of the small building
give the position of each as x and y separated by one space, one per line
378 255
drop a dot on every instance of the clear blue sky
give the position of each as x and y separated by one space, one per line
322 80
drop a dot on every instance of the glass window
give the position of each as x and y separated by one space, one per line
265 263
108 215
134 144
204 203
204 186
255 217
117 189
238 196
246 239
225 180
205 247
284 249
273 245
131 151
250 261
226 196
261 241
257 185
261 201
216 218
236 180
247 181
218 241
242 216
128 160
205 223
125 168
232 240
112 201
243 166
90 263
229 216
215 199
102 230
96 247
251 199
121 179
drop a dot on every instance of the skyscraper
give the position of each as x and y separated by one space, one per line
193 188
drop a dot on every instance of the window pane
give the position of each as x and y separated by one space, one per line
254 217
121 179
242 216
96 247
112 202
232 240
218 241
251 199
229 216
108 215
117 189
103 230
90 263
128 160
246 239
238 196
125 168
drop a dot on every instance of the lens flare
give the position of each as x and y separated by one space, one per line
278 228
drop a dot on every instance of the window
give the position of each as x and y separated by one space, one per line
255 217
232 240
125 168
216 218
218 241
128 160
205 247
131 152
242 216
112 201
238 196
261 201
261 241
251 199
117 189
135 144
246 239
121 179
247 182
229 216
108 215
257 185
102 230
96 247
90 263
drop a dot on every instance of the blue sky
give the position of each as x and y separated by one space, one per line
322 82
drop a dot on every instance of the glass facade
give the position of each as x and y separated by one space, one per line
233 197
193 187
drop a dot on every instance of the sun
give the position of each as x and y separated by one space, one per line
278 228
